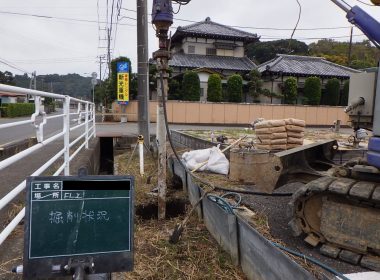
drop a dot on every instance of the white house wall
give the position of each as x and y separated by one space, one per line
201 44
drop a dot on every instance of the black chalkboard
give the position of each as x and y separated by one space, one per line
78 219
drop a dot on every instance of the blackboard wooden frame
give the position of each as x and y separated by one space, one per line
41 266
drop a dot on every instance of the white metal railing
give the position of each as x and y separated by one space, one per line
85 112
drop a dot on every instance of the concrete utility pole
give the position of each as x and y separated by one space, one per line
142 70
100 67
162 18
350 48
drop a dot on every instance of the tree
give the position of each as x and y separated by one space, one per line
191 86
255 84
174 90
344 96
214 88
312 90
264 51
290 91
6 78
332 92
363 55
235 88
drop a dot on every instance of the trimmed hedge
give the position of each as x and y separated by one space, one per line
332 92
290 91
191 86
344 97
13 110
235 88
313 90
214 88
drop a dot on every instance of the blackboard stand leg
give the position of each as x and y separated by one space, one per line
79 273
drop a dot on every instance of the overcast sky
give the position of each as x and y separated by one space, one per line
63 45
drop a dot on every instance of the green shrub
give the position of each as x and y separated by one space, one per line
266 92
13 110
214 88
174 92
290 91
344 97
255 84
235 88
312 90
191 86
332 92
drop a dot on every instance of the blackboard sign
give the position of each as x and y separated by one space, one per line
86 219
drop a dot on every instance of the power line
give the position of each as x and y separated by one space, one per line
12 65
57 18
253 27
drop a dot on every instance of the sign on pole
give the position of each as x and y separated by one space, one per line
72 221
123 82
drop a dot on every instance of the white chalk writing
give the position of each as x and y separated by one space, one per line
86 216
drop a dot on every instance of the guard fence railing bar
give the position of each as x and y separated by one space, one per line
83 117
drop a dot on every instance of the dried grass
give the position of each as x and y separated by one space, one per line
196 256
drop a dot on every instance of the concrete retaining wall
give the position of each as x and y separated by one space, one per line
259 259
15 147
87 162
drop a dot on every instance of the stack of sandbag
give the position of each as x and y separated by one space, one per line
295 130
279 134
271 135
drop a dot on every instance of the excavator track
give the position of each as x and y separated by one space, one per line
341 214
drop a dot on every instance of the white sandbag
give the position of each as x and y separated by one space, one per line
218 163
197 155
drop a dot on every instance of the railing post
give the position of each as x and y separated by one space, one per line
93 118
86 121
66 137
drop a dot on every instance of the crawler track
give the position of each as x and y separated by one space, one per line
341 214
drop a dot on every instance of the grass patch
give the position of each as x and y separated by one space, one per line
196 256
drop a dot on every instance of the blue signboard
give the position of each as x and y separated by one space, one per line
122 67
122 83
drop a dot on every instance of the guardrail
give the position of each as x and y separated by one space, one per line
85 112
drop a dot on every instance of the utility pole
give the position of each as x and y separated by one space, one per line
142 70
100 67
350 48
162 18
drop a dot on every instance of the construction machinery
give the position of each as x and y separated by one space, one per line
341 209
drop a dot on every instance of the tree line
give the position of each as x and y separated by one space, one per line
363 54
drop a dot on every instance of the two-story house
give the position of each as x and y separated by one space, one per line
208 47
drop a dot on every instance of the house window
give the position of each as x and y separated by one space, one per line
210 51
191 49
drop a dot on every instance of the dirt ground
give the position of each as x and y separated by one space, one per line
275 208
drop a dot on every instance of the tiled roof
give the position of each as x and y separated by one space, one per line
211 62
305 65
210 29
